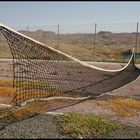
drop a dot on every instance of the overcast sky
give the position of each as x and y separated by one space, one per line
18 14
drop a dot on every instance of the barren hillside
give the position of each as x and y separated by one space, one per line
108 45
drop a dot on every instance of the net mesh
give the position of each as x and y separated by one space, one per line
41 72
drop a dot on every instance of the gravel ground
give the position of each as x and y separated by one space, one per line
42 126
45 126
128 133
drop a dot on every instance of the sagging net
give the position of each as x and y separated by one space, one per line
42 72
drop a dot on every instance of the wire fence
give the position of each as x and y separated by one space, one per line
89 42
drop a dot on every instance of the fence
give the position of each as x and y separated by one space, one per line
89 42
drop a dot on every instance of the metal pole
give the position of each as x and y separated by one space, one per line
27 30
136 41
94 41
58 36
0 38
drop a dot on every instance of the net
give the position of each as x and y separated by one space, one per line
40 71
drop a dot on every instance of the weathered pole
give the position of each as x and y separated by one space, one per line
136 45
94 42
57 37
27 30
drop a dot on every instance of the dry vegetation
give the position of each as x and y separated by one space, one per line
121 106
7 92
125 107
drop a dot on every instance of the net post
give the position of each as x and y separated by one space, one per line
27 30
95 27
57 47
0 39
136 45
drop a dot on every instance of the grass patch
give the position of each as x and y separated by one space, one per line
81 125
125 107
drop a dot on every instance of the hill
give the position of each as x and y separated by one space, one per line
108 45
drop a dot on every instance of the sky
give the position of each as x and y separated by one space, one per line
71 14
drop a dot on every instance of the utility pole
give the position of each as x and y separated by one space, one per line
136 46
94 41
